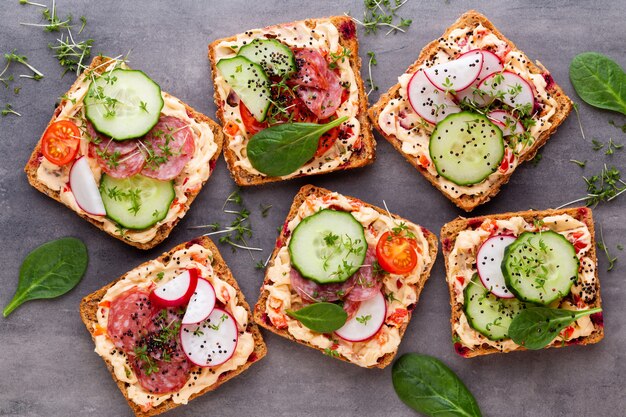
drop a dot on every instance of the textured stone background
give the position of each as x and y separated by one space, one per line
47 363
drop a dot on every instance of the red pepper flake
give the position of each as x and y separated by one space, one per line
253 357
579 245
549 80
583 212
461 350
185 181
446 244
212 164
105 304
568 332
425 231
461 279
398 316
347 29
597 319
399 284
475 222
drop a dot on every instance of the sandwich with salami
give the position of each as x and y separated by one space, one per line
173 328
124 155
291 100
345 277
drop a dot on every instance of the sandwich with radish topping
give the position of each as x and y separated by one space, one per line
345 277
525 280
291 100
470 110
123 154
173 328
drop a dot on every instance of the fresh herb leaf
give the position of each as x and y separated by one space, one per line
602 246
622 127
429 387
535 161
282 149
612 147
364 319
71 54
596 145
21 59
579 163
8 109
265 209
536 327
160 276
599 81
320 317
382 14
370 79
331 352
49 271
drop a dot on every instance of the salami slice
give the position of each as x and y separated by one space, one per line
318 86
130 313
351 308
168 146
311 291
367 284
163 340
159 376
119 159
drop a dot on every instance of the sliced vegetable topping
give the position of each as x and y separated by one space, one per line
275 57
60 142
123 104
176 292
466 148
487 314
395 253
510 89
488 262
249 82
458 74
367 320
201 303
540 267
212 341
429 102
328 246
136 202
85 189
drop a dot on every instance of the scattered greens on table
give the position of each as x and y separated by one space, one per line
49 271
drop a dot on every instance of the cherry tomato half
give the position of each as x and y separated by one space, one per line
60 142
396 254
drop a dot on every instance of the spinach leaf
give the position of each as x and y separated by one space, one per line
535 327
282 149
429 387
599 81
50 270
320 317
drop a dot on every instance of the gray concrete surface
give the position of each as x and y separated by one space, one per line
47 363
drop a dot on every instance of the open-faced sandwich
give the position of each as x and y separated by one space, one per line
345 277
123 154
523 280
173 328
470 110
291 100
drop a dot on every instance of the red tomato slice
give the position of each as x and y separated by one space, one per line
251 124
327 140
396 254
60 142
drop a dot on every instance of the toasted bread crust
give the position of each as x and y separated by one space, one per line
470 202
368 152
259 308
89 310
451 230
98 65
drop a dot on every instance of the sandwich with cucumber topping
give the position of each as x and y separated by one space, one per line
291 100
124 155
345 277
525 280
470 110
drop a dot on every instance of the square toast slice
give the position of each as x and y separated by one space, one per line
90 310
576 224
401 291
334 37
551 108
60 191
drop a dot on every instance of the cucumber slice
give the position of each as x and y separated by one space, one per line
540 267
136 202
123 104
275 57
250 83
487 314
328 246
466 148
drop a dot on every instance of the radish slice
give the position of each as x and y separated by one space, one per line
85 189
428 101
176 292
201 303
505 121
368 319
491 64
488 260
456 75
514 90
212 341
